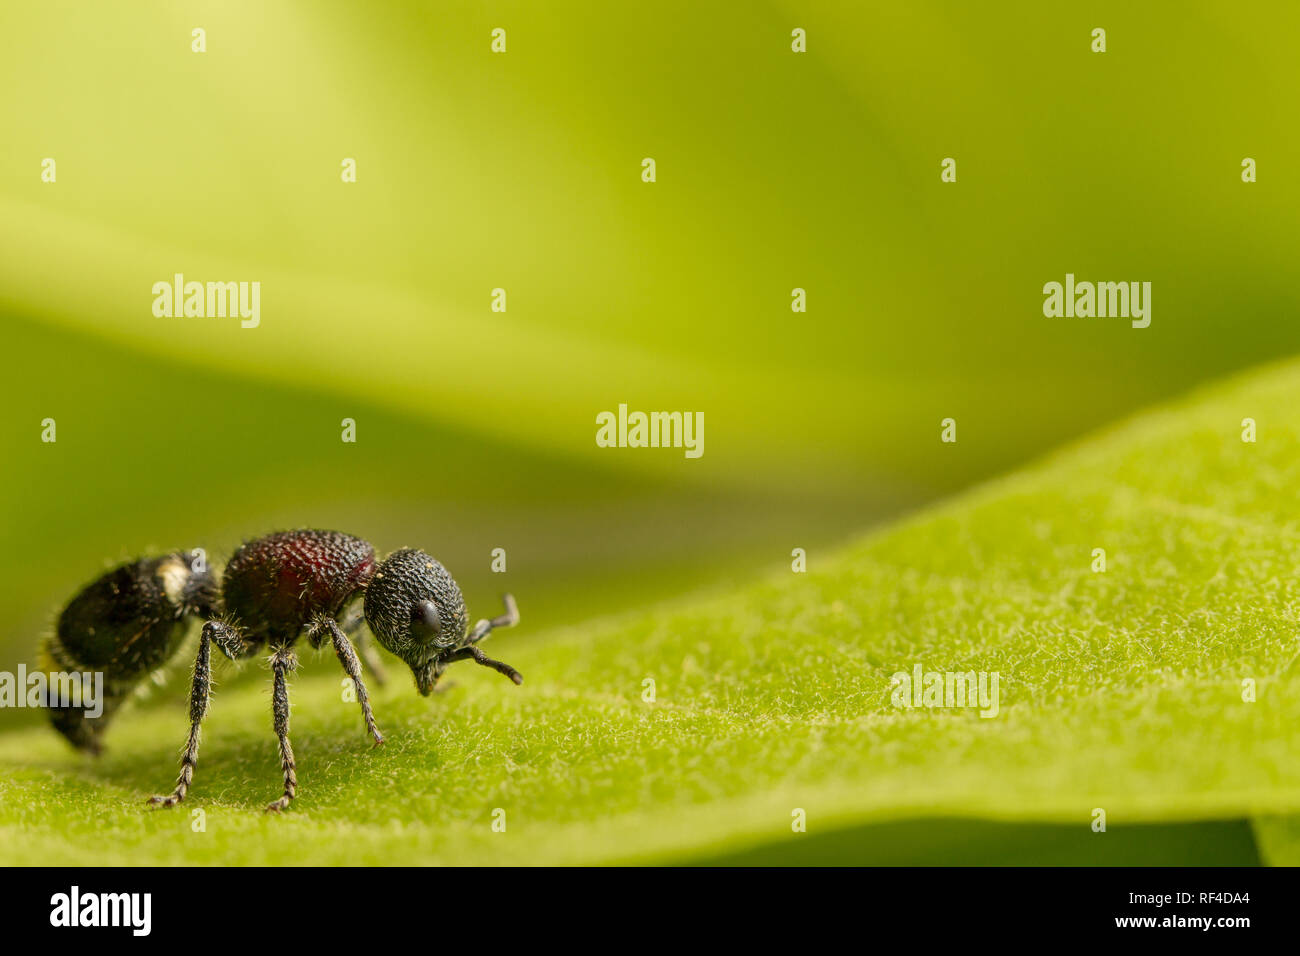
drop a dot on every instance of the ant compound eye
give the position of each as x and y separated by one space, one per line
414 607
426 623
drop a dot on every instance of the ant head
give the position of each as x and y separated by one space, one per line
416 611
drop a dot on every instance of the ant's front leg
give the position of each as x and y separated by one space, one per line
365 647
347 655
229 643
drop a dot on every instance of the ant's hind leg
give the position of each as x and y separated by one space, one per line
283 662
228 641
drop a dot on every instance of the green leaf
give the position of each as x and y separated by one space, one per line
1120 690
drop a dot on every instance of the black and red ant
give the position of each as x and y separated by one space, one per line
274 589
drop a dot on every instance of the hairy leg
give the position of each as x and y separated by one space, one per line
283 661
347 656
352 627
229 642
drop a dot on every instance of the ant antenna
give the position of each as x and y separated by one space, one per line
509 619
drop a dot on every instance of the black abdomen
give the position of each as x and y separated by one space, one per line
127 622
122 626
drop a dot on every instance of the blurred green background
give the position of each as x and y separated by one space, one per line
523 171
